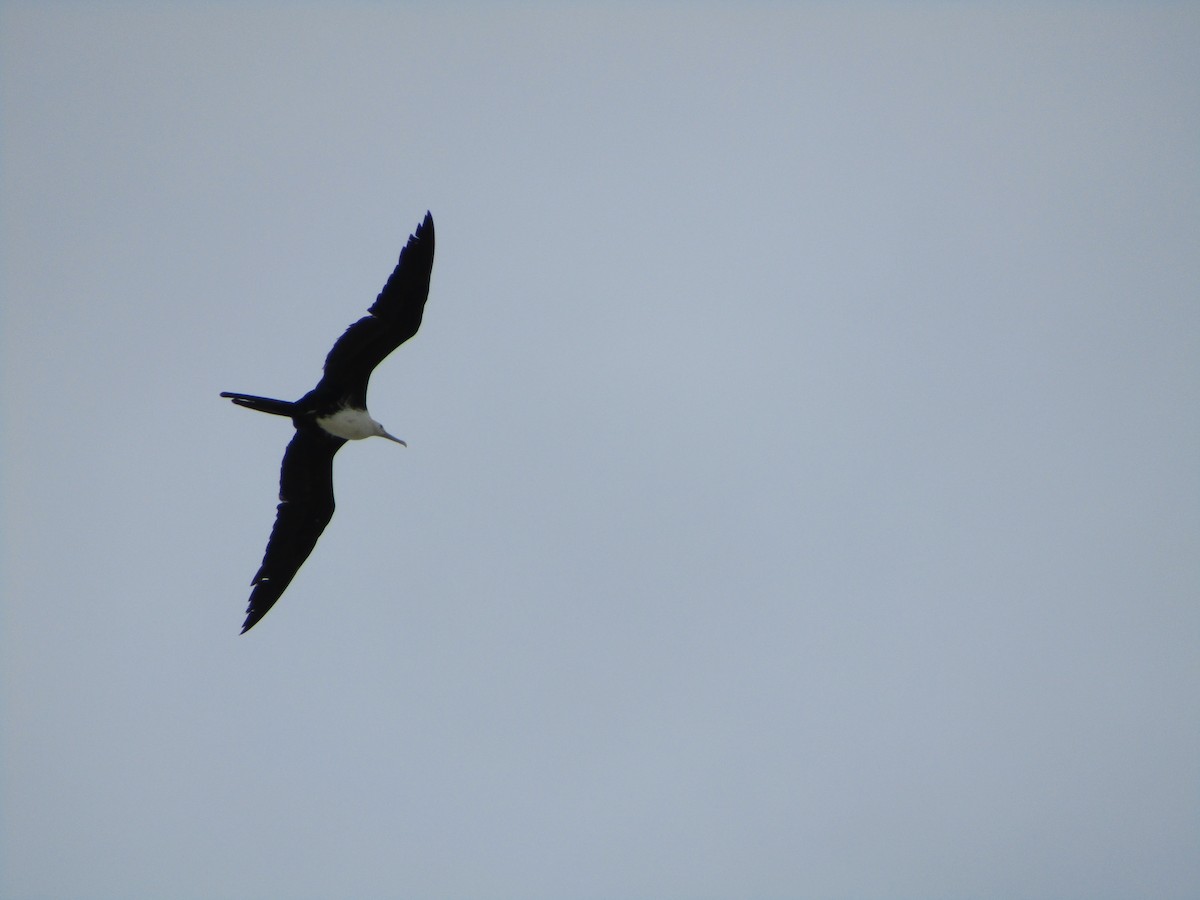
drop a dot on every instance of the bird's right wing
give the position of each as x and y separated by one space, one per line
305 508
393 318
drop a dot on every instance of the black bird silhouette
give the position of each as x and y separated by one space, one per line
332 413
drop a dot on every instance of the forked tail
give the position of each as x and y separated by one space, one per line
262 404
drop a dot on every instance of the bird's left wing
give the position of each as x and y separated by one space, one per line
393 318
305 508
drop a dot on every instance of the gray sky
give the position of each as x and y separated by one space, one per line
802 495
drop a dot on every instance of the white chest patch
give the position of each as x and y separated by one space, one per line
351 424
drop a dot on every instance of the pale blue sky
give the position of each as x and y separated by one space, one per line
801 497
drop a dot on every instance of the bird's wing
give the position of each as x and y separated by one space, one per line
305 508
393 318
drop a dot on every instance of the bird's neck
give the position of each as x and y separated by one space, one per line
349 423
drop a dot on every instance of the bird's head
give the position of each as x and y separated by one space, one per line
380 431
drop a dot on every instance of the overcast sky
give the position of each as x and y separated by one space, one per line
802 496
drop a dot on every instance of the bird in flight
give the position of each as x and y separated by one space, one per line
333 412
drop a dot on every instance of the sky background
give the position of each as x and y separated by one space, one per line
801 497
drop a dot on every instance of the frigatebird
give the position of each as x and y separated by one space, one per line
333 412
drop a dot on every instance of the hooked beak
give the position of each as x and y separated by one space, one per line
384 434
